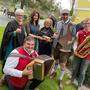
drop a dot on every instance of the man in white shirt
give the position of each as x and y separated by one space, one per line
17 62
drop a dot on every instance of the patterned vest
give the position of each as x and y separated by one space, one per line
66 37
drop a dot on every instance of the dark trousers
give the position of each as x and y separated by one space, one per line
31 85
79 69
10 86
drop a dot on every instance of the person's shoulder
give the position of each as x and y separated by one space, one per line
81 32
14 51
59 23
72 23
12 21
43 28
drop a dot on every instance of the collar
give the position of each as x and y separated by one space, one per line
67 21
28 52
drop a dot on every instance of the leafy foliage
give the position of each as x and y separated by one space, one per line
1 33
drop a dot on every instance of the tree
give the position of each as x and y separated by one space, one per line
72 9
22 3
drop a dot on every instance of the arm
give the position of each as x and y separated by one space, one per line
11 63
58 30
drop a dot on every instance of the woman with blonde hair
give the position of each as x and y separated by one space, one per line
45 45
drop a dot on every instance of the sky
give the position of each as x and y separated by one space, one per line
64 4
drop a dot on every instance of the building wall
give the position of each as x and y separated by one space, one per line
83 10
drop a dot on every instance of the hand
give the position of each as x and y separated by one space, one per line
18 30
46 38
28 70
41 38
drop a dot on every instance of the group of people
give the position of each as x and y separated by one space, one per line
21 43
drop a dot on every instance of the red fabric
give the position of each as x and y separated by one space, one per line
21 82
81 37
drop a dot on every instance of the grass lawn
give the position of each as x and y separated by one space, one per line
47 84
52 84
1 33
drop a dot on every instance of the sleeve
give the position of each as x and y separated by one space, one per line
40 33
8 33
9 30
10 65
58 27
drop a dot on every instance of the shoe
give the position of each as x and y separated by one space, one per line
60 84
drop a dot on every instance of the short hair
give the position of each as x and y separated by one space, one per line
19 12
48 20
29 38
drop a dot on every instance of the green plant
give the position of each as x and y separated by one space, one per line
1 33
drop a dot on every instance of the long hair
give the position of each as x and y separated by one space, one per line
32 17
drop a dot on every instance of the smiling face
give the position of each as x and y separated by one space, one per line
29 44
48 23
64 16
36 17
19 18
19 13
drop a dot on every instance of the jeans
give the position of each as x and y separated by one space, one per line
79 69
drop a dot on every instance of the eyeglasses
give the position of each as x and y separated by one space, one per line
65 14
19 15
